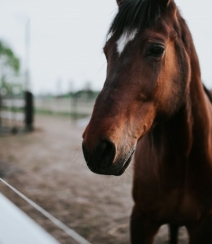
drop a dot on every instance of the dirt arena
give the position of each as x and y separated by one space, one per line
48 167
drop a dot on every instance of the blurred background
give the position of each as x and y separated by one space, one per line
54 49
51 70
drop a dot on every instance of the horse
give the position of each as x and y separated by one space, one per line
153 107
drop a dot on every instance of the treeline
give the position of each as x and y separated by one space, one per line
10 79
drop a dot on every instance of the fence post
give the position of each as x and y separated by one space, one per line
29 111
0 109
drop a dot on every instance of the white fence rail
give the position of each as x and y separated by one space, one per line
17 228
65 105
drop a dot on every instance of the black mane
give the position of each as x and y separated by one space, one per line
135 14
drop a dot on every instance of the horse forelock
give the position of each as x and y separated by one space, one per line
135 14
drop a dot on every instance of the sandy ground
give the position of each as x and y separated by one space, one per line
48 167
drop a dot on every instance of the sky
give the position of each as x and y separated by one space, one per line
67 37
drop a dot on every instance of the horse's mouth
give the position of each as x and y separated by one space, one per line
117 168
126 163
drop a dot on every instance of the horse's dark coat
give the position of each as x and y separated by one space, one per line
153 101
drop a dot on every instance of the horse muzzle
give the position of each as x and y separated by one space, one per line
105 159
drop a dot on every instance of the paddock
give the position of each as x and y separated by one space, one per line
48 167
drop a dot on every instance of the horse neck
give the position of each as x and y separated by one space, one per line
190 130
199 109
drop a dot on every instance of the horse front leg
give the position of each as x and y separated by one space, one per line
173 234
142 229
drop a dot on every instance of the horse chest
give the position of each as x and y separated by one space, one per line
169 206
163 195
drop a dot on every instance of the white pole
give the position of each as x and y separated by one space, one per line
27 54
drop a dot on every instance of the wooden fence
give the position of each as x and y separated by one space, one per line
16 113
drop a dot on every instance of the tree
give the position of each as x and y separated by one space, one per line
9 68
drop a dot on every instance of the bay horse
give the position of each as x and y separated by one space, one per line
154 106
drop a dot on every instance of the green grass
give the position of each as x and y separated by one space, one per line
73 115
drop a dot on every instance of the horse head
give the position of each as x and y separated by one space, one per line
148 73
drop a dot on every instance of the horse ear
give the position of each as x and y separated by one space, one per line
165 3
119 2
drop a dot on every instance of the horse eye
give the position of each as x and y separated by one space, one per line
156 50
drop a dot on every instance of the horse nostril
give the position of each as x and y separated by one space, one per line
105 153
101 158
